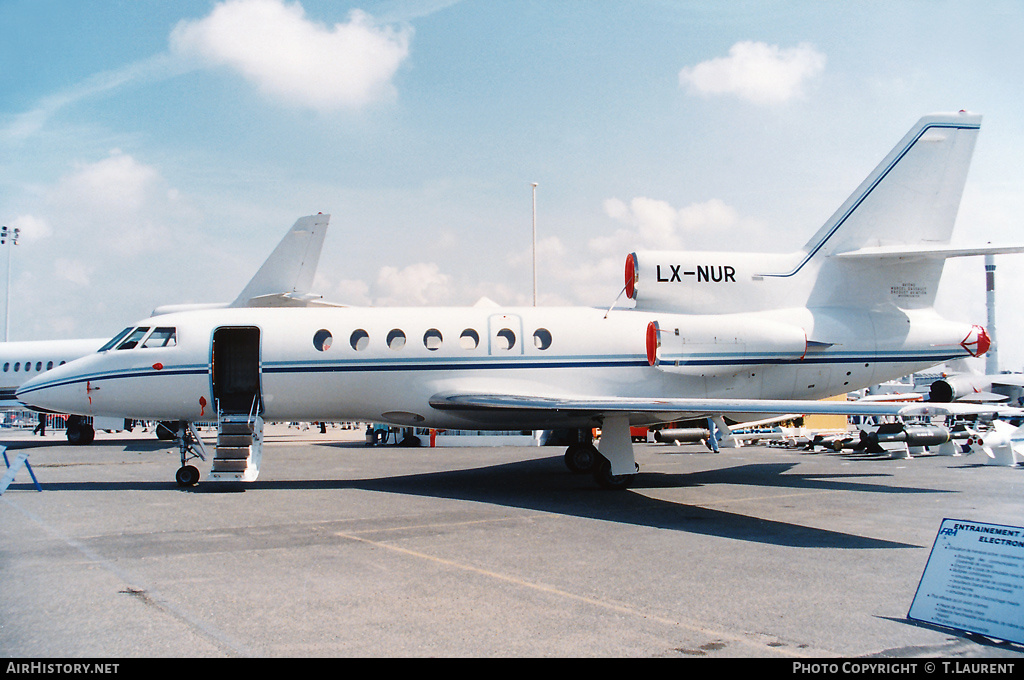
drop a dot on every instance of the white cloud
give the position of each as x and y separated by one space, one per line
420 284
75 271
657 225
757 72
289 57
31 228
117 201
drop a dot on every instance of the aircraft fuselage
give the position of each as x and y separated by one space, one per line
384 365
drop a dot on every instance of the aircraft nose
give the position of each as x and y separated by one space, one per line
50 393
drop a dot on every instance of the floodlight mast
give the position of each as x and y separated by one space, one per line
5 236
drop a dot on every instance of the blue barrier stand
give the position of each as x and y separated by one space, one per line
12 470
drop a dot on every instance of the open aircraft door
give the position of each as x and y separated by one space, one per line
235 369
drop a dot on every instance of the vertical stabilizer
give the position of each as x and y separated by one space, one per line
912 196
888 242
287 275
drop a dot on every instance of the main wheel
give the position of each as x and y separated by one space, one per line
187 475
580 457
80 433
606 480
167 430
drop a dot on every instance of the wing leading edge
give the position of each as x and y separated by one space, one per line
481 406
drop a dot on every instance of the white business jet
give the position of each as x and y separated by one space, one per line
743 335
284 279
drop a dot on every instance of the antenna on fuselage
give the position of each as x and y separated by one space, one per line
631 278
615 301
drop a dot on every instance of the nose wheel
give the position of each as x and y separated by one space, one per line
187 476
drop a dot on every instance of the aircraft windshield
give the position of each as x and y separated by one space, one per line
116 339
161 337
133 339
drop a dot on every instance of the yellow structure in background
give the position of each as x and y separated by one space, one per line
827 422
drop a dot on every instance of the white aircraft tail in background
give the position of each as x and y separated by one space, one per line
285 278
712 335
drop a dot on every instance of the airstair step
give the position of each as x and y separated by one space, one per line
232 452
234 440
230 427
220 465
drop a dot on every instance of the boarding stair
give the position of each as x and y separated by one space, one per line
239 448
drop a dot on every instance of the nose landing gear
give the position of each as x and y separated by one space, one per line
191 446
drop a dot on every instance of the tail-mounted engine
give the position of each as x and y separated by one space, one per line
721 344
698 282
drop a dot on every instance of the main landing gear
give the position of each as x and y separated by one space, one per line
584 457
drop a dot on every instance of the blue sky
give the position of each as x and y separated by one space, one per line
154 152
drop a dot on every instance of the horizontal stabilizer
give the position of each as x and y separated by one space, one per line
925 252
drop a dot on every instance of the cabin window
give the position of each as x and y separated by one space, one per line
17 365
469 339
359 340
133 339
161 337
49 365
116 339
7 366
39 365
542 338
505 339
396 339
322 340
432 339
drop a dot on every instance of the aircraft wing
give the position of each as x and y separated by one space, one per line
659 410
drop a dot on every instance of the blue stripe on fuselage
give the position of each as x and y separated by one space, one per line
390 365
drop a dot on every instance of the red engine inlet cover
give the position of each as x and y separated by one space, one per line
631 276
653 342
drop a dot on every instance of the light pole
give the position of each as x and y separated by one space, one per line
6 236
534 185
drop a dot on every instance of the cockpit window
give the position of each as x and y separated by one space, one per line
134 338
161 337
116 339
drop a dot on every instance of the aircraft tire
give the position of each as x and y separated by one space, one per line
80 433
167 430
580 458
187 475
606 480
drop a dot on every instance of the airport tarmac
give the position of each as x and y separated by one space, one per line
340 549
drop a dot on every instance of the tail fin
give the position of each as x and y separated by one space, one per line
911 198
287 275
885 245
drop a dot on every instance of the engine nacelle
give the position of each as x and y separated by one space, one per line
701 282
721 344
947 390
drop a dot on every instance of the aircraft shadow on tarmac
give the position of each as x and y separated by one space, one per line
545 485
